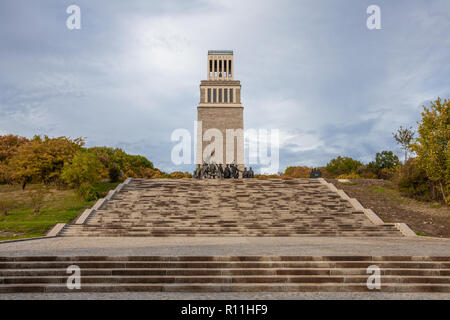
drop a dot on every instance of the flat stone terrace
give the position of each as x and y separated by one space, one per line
228 246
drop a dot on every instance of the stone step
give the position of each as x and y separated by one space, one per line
226 287
43 272
227 265
228 208
141 279
224 273
236 235
225 258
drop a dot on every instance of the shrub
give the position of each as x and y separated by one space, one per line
367 172
6 176
180 175
264 176
342 165
133 166
412 181
5 206
387 173
84 168
349 176
37 198
87 192
114 173
385 160
297 172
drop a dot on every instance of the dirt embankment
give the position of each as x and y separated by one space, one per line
431 219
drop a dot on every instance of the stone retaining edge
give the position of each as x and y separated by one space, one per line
55 230
25 239
372 216
100 202
407 232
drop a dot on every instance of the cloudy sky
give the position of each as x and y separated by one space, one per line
310 68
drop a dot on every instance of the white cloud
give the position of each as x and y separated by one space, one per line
310 69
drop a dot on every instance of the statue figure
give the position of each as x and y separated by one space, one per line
251 175
212 171
227 172
220 171
315 173
235 171
197 172
204 170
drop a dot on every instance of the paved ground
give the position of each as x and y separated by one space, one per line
228 296
228 246
314 246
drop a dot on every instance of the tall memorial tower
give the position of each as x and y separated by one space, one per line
220 113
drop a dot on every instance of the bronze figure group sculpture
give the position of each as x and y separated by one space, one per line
213 171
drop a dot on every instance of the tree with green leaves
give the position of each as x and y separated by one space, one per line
84 168
8 146
432 146
384 160
42 159
404 137
342 165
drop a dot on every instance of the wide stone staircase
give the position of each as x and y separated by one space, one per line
225 208
46 274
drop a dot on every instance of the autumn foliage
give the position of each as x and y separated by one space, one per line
65 162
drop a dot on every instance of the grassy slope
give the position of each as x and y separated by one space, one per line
425 218
59 206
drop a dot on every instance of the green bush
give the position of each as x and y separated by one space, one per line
412 181
87 192
297 172
37 198
353 176
385 160
367 172
342 165
114 173
85 168
5 206
383 165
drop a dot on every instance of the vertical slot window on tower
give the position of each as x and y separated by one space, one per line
225 72
210 68
220 95
225 95
209 95
214 95
229 68
231 96
215 69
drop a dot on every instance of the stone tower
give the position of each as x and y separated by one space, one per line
220 112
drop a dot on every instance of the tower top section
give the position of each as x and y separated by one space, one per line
220 65
220 52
